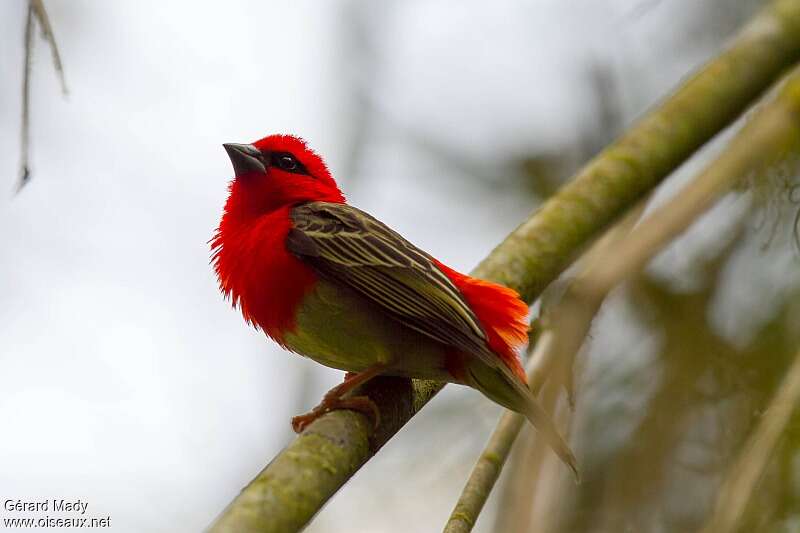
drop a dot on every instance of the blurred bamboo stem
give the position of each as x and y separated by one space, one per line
533 467
289 491
559 343
490 463
545 474
744 475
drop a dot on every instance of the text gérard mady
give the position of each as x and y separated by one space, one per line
55 505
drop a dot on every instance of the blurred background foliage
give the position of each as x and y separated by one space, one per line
451 124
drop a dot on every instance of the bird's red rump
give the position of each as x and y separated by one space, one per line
501 312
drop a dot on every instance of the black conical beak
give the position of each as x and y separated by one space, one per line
246 159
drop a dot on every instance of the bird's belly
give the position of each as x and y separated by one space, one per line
339 328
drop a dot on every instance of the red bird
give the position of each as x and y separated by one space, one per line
330 282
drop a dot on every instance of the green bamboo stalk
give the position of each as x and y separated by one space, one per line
297 483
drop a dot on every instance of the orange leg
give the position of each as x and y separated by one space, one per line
334 399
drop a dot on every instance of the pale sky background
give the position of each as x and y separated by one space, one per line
126 380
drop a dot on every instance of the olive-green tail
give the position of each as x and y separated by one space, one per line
501 386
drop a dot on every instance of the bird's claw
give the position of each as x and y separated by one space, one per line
361 404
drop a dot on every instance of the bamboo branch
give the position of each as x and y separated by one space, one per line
490 463
297 483
771 134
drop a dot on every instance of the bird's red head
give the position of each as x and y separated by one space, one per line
277 171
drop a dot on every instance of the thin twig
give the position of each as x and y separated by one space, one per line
529 457
744 475
516 488
37 11
24 166
486 471
49 36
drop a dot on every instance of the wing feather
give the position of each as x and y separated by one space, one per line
345 244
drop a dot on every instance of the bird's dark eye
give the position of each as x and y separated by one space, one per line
288 162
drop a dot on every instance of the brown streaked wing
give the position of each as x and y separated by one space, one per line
347 245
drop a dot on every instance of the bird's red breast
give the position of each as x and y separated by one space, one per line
258 274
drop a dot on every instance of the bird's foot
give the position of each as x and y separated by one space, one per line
362 404
337 398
